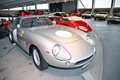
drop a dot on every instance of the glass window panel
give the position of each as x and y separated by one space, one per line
86 3
18 8
102 3
117 3
43 6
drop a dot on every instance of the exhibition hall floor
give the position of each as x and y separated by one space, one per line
110 38
15 64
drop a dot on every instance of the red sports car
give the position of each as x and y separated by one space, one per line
80 24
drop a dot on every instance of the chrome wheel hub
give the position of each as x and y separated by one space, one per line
36 57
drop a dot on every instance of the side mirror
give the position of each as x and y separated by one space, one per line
18 25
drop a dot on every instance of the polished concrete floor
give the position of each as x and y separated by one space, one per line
110 37
16 65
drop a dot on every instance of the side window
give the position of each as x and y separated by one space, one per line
26 23
65 19
57 19
57 14
17 21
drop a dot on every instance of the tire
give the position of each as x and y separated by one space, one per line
105 18
108 22
38 59
94 18
83 17
11 37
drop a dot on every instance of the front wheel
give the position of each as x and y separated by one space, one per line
38 59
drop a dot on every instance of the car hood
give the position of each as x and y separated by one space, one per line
74 18
69 40
81 51
58 34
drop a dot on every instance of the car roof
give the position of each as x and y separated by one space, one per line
22 17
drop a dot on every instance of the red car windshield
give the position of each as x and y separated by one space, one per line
65 14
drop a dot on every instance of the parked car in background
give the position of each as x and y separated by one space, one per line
78 13
114 18
87 14
63 14
80 24
101 15
51 44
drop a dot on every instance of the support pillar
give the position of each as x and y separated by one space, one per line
112 7
35 7
93 4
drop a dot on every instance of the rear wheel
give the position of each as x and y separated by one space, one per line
108 22
105 18
83 17
94 18
11 37
38 59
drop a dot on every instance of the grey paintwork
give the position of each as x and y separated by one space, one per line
44 38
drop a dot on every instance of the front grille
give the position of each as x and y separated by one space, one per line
83 61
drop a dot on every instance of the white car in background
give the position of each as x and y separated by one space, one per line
101 15
114 18
87 14
66 15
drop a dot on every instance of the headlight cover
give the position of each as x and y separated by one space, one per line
90 40
56 50
61 53
83 28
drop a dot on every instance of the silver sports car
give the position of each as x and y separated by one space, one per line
51 44
114 18
101 15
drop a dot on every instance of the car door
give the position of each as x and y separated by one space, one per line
21 27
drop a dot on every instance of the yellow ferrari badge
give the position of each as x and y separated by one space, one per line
22 33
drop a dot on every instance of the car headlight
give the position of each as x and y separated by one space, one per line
83 28
90 40
56 50
60 53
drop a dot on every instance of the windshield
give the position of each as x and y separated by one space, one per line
65 14
116 14
36 21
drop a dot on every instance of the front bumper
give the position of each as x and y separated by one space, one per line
113 20
73 63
